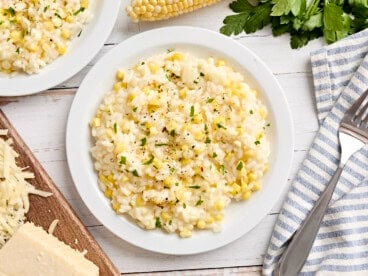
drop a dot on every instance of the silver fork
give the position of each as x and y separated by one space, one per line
353 135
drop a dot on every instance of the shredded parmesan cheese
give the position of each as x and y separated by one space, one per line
53 226
14 190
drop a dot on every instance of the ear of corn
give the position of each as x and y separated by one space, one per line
152 10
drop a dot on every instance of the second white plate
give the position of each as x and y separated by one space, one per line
81 52
239 217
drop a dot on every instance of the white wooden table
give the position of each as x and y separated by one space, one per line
41 121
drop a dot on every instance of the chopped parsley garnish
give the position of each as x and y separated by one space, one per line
161 144
240 166
219 125
170 222
214 155
176 184
135 109
206 128
191 111
135 173
268 125
45 8
251 111
143 141
208 140
210 100
195 81
195 187
257 142
115 128
11 11
142 63
201 74
80 33
18 50
158 223
222 169
79 11
173 133
170 50
184 205
122 160
199 202
58 15
1 22
149 161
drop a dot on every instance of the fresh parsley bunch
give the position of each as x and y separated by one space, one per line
333 19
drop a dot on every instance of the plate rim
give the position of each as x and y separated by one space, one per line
101 33
288 126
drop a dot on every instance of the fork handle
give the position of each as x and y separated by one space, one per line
302 241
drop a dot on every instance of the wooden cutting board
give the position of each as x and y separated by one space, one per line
43 211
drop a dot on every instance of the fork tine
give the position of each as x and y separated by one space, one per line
361 115
354 108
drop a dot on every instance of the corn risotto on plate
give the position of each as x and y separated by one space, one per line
176 139
181 137
44 42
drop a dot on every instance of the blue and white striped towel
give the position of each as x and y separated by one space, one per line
340 73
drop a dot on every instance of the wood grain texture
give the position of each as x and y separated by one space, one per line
44 210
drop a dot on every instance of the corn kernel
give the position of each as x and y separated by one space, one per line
185 233
69 19
180 194
157 163
263 113
210 219
219 205
119 147
199 135
117 86
198 118
201 224
62 49
139 201
108 193
236 188
84 3
49 25
96 122
183 93
65 33
120 75
115 206
15 35
220 62
218 217
256 186
165 216
245 195
110 133
153 67
168 181
176 56
153 130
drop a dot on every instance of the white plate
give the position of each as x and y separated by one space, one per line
80 53
239 217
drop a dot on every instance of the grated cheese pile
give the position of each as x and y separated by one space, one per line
14 190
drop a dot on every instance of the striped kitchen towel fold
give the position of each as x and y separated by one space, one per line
340 73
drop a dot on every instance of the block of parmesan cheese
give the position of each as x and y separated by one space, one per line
32 251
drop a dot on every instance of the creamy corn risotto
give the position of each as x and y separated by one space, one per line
33 33
176 139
